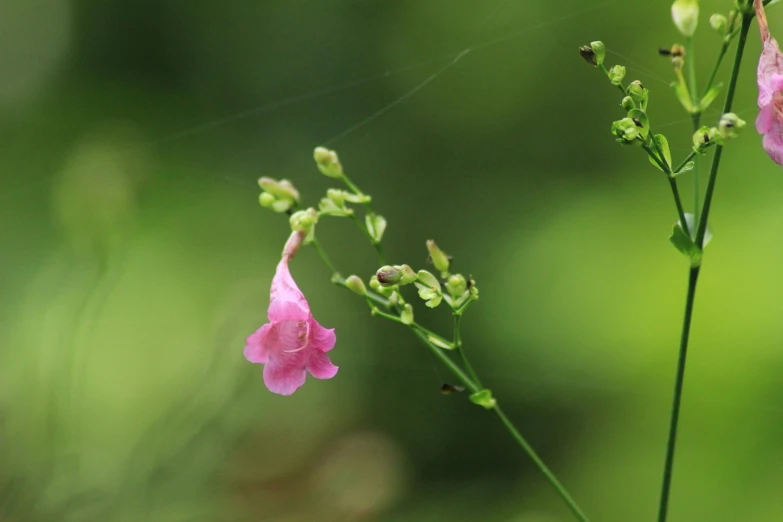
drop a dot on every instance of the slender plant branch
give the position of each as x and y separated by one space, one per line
702 230
678 203
693 277
461 350
685 161
471 382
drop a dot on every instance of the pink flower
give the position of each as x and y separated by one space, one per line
292 342
770 79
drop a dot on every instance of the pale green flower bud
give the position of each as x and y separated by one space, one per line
600 51
719 23
355 284
616 74
685 14
328 162
438 256
389 275
304 220
407 314
730 126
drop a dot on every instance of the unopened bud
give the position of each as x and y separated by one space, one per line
304 220
628 104
702 139
282 189
456 285
626 130
389 275
685 14
266 199
599 49
730 126
438 256
407 314
719 23
616 74
637 91
588 54
328 162
408 275
336 196
374 283
355 284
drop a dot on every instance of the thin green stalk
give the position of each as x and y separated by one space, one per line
746 21
325 258
693 277
460 349
376 244
471 383
679 381
680 209
684 162
696 120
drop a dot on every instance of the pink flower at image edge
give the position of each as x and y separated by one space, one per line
292 342
770 80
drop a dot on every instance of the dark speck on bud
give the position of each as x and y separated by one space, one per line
588 54
637 122
664 52
448 389
389 275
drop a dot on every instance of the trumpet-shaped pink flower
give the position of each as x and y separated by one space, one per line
292 342
770 80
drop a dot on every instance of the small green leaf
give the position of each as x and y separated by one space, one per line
663 144
685 168
376 226
710 96
681 91
484 399
685 245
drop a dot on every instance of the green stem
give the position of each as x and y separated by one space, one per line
693 277
356 190
679 381
696 120
325 258
680 209
702 229
561 490
684 162
461 351
471 383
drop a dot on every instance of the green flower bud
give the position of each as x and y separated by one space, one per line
389 275
616 74
407 314
626 130
719 23
637 91
588 54
328 162
484 399
282 189
376 226
304 220
438 256
266 199
702 139
730 126
685 14
628 103
456 285
336 196
408 275
355 284
374 283
599 50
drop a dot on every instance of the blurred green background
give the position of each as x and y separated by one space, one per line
135 260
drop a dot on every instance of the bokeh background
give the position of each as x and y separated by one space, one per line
135 259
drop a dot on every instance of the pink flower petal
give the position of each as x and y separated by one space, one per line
773 143
255 349
284 287
321 338
286 311
765 118
320 366
283 379
286 337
